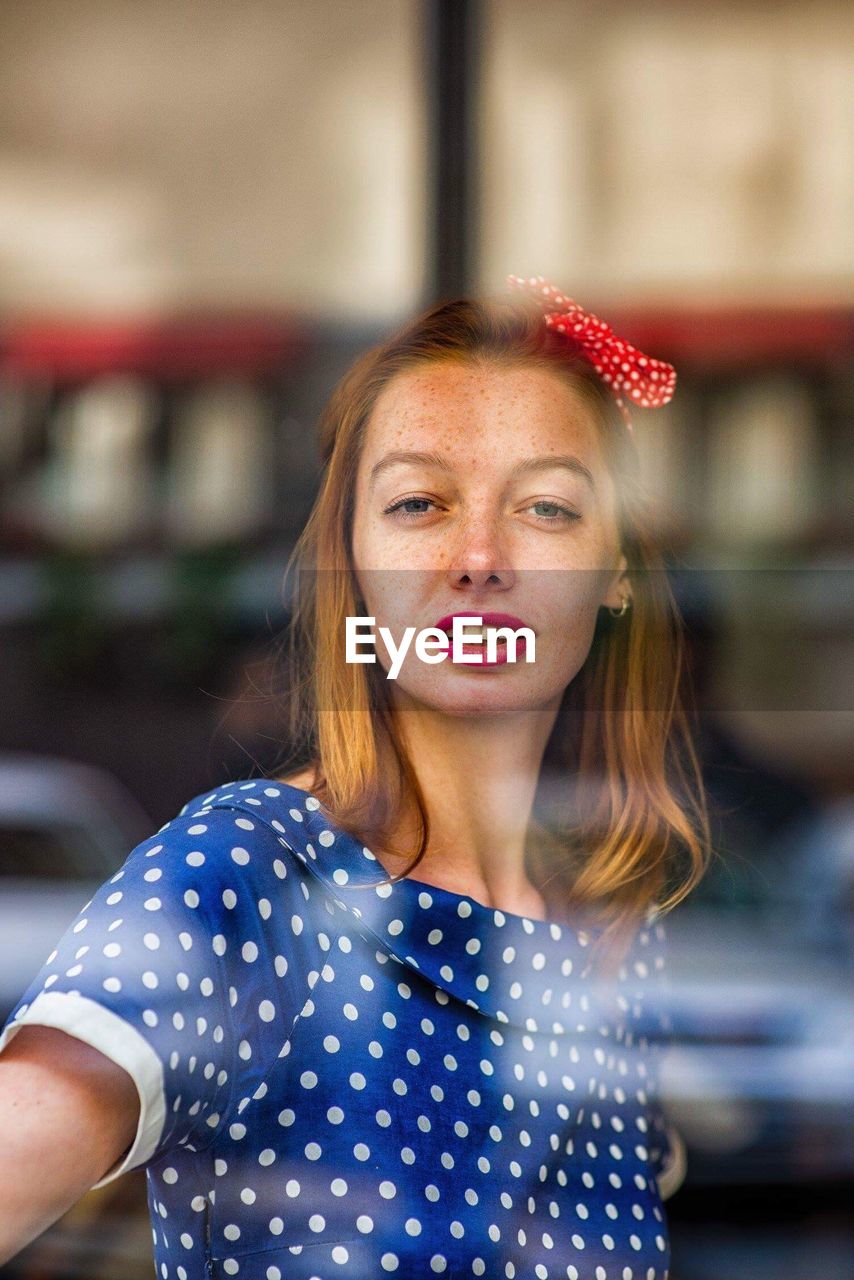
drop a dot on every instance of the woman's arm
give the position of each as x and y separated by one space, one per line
69 1114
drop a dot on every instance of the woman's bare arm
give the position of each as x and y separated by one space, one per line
69 1113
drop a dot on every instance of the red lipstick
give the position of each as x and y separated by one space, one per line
488 619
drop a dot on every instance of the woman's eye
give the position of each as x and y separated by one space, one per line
563 513
405 502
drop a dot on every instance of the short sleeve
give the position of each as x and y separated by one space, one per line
146 974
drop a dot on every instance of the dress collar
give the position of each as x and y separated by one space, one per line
533 974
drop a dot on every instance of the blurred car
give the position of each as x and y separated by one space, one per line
65 827
758 1070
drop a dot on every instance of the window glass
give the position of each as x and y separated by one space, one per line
264 154
669 150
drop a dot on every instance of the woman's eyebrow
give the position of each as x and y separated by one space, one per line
565 460
400 456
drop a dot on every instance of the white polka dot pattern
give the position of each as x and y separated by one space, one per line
647 381
371 1080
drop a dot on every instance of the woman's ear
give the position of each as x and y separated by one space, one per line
619 587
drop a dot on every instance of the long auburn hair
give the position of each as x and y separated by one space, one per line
619 822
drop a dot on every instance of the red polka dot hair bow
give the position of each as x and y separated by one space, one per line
648 382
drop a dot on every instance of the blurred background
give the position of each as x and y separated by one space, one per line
206 211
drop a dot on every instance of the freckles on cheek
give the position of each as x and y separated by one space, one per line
378 547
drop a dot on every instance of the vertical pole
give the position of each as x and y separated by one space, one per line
452 31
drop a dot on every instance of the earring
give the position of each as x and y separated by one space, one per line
625 603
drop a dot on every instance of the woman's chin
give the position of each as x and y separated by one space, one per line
486 693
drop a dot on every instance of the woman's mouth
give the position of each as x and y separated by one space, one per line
481 634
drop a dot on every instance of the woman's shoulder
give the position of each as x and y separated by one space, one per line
227 826
262 794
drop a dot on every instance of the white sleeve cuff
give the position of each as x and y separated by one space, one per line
91 1022
673 1174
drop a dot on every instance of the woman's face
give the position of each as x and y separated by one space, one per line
513 512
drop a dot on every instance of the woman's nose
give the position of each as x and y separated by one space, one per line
480 555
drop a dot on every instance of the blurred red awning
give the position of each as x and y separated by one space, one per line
721 338
165 349
697 339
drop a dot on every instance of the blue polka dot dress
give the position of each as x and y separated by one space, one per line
341 1081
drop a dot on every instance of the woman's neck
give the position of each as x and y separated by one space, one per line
478 777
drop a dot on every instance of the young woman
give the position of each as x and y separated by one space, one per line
395 1011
